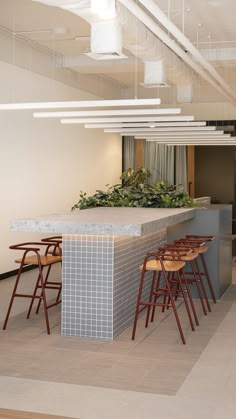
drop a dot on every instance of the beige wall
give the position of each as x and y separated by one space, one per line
43 164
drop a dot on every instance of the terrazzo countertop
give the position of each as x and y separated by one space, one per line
106 221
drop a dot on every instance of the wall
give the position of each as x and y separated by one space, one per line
214 172
43 164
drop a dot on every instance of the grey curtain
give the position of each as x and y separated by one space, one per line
181 167
129 153
159 159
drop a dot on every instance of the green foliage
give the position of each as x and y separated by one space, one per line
135 192
134 178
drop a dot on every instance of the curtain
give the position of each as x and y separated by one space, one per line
129 153
160 160
181 167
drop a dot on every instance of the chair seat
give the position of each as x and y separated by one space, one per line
169 265
45 260
181 255
201 249
190 256
56 252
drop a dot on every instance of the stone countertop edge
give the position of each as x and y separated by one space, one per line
45 225
168 221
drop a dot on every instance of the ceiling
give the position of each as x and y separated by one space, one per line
208 24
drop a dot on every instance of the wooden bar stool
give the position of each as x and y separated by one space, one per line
198 243
187 255
159 264
204 239
34 253
56 251
193 276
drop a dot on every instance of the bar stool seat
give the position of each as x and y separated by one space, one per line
169 265
40 254
44 260
191 256
200 249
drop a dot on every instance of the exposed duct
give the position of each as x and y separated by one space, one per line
106 39
141 36
154 74
208 70
137 39
219 54
184 93
165 38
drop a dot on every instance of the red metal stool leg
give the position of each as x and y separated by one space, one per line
189 296
138 304
199 274
208 278
33 297
174 309
12 297
43 297
196 282
150 298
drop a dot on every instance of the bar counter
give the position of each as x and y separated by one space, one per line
102 251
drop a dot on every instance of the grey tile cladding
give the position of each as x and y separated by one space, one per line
129 253
100 280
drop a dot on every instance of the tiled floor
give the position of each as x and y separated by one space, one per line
154 377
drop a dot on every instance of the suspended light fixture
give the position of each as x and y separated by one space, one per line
169 125
151 133
127 119
195 143
167 130
188 140
178 137
115 112
80 104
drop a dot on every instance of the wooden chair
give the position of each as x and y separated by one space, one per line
199 245
40 254
162 266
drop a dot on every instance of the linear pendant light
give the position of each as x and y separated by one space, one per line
171 125
196 142
80 104
187 140
223 143
159 131
115 112
127 119
180 137
152 133
190 140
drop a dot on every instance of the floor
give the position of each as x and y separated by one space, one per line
153 377
20 414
